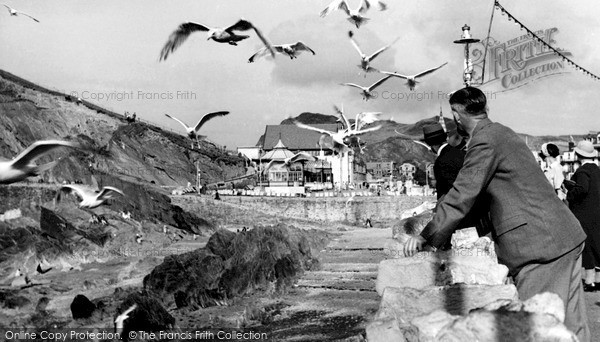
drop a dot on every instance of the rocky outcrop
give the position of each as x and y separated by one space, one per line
264 259
147 315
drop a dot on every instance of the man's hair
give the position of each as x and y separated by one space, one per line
472 99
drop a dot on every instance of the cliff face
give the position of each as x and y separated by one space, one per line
137 151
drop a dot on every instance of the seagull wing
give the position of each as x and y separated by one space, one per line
342 116
382 5
268 166
207 117
300 46
179 36
83 192
27 15
426 72
351 36
378 83
38 149
366 130
395 74
8 8
366 118
353 85
335 4
376 53
364 6
181 122
259 53
301 125
245 25
107 191
241 25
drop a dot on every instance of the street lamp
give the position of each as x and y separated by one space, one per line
466 39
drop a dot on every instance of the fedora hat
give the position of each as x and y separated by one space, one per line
585 148
434 134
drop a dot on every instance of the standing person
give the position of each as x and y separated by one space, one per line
536 235
446 167
584 201
549 153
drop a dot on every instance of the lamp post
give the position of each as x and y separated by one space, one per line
466 39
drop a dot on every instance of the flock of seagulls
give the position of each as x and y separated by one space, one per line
355 16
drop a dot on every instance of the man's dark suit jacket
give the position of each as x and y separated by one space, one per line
446 168
529 223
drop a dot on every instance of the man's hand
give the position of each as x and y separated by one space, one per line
413 245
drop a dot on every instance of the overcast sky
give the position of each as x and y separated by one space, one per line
111 48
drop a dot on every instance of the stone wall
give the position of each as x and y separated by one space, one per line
382 210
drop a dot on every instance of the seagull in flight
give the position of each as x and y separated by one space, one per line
15 13
291 50
220 35
341 138
355 16
365 61
22 166
90 198
366 91
362 119
411 81
192 132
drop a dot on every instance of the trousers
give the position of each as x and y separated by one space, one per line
563 277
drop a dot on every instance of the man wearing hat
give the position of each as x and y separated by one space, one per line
537 237
446 167
449 159
584 201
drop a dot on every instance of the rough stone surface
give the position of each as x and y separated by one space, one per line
408 303
431 324
417 272
506 325
439 268
426 206
384 331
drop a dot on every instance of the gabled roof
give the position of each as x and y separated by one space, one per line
279 152
294 137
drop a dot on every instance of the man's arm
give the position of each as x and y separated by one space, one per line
478 169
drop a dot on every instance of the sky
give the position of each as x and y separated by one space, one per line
107 53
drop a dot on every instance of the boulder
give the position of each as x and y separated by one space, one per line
82 307
407 303
417 272
220 243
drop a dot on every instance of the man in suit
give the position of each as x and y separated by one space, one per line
537 237
449 159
